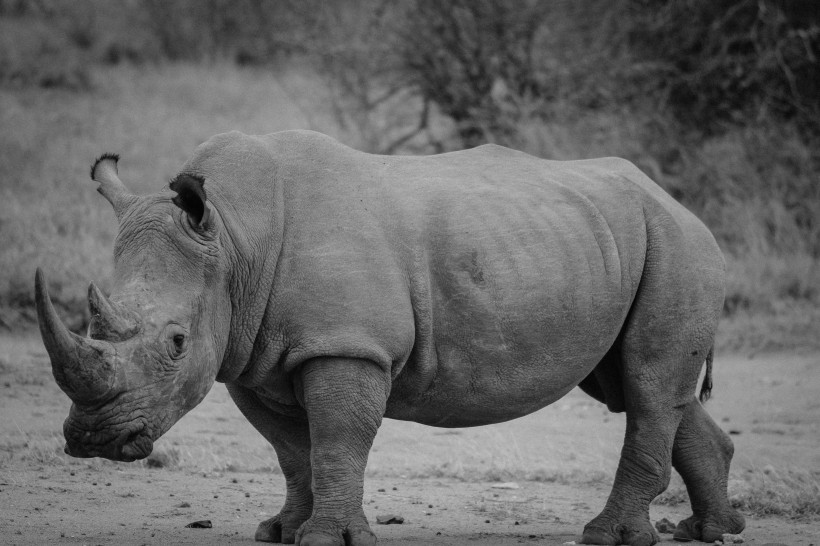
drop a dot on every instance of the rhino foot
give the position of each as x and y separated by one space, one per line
280 529
709 530
636 534
329 533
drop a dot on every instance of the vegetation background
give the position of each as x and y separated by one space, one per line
716 100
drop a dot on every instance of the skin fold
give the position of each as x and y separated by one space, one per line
329 288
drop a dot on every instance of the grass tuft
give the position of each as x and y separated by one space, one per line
790 493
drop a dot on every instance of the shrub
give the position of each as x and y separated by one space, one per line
732 60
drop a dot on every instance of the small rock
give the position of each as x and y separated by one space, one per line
380 490
665 526
184 505
486 521
729 538
389 519
506 485
201 524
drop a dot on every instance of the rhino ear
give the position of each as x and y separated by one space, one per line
104 172
192 199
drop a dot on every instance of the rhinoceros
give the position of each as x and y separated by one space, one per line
329 288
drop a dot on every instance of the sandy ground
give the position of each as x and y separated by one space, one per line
448 485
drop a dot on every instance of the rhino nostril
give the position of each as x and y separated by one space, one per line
133 437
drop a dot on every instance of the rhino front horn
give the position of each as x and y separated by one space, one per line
84 368
104 172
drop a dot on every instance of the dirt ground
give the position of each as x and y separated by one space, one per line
536 480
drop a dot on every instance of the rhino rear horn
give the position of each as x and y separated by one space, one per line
104 172
85 369
109 321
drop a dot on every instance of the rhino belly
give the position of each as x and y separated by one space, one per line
471 388
492 361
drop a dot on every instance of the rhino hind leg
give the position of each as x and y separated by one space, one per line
701 454
668 333
643 473
290 437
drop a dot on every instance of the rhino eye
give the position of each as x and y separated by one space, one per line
176 341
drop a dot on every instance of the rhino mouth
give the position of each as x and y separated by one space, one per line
128 445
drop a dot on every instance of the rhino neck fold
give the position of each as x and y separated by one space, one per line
252 274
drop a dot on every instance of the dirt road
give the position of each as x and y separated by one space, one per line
536 480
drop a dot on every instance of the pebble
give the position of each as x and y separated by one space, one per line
201 524
729 538
506 485
665 526
389 519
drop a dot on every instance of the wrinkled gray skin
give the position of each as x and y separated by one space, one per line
329 288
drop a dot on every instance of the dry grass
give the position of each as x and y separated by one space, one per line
154 117
790 493
747 191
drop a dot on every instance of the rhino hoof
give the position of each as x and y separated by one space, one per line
320 539
271 530
692 528
593 535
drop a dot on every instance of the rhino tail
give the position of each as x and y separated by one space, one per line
706 387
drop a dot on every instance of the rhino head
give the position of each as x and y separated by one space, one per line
153 348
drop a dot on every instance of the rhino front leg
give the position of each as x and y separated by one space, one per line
701 454
345 400
290 437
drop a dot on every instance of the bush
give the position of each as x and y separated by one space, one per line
468 56
732 61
